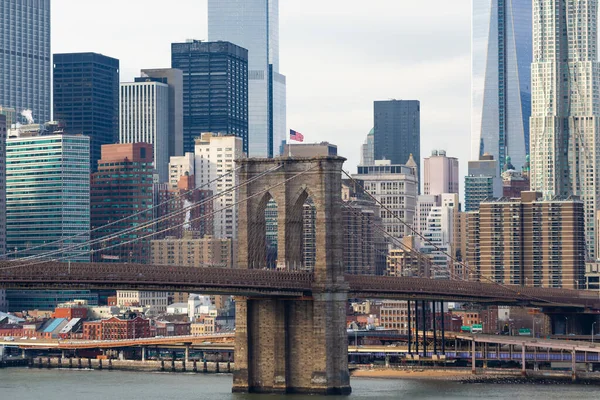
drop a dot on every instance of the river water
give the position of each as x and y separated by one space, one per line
22 383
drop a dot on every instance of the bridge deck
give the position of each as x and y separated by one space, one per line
255 282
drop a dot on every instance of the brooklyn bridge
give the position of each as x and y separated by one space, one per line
290 325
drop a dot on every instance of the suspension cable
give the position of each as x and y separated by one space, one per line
173 227
122 219
116 235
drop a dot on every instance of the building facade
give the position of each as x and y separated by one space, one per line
533 242
181 166
157 301
144 118
396 187
215 89
565 129
438 236
194 252
184 209
501 47
46 300
121 191
25 58
48 196
254 25
3 132
86 98
483 181
215 156
513 183
367 156
117 329
173 77
397 132
440 173
407 261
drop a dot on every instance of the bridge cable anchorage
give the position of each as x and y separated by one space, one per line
144 225
91 251
174 198
453 259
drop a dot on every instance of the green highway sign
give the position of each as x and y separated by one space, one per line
524 332
465 328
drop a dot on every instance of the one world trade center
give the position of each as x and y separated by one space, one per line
501 55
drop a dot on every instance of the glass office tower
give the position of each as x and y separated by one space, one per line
215 89
397 131
86 98
25 57
254 25
500 79
48 196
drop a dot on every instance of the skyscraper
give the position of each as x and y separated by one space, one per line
254 25
500 79
440 173
25 57
144 117
174 78
86 98
367 156
531 241
121 188
397 186
397 132
48 196
565 107
2 187
215 89
483 181
215 155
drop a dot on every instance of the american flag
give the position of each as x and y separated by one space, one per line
297 136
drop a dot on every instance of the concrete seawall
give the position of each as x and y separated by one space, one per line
128 365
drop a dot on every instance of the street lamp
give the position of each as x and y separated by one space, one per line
593 323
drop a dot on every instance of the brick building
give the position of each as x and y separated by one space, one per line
193 251
198 206
116 329
121 188
531 241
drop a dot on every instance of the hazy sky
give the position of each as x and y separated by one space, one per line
338 56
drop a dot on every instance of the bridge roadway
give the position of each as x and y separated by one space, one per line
269 283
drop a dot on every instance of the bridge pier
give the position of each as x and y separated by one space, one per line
143 353
292 346
187 353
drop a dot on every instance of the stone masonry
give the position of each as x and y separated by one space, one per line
299 345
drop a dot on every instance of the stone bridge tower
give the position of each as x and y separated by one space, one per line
293 345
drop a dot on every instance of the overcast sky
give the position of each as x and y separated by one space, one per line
338 56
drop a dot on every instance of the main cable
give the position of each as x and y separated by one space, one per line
170 228
120 220
116 235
